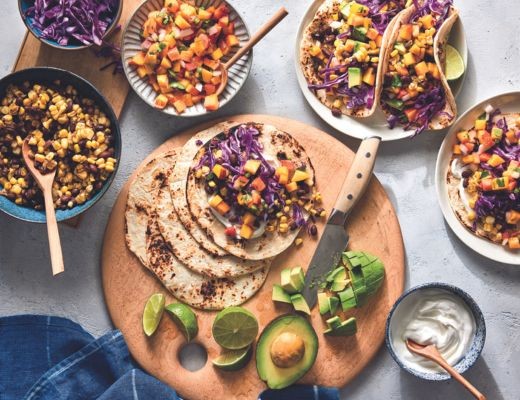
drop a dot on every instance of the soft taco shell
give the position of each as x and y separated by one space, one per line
269 244
448 115
322 17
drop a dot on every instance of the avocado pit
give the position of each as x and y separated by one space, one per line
287 350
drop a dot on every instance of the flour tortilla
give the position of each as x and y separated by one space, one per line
140 196
323 17
194 289
188 251
448 115
178 180
456 202
270 244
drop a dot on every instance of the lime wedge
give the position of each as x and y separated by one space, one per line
235 328
184 318
233 360
153 311
454 64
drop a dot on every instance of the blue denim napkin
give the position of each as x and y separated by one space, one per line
52 358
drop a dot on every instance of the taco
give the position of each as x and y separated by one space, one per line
483 178
250 188
341 53
415 93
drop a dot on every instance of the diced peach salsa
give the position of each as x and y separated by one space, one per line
181 53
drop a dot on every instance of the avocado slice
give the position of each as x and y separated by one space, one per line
333 305
350 260
292 280
338 273
359 286
334 322
347 299
300 304
292 326
323 303
346 328
354 77
280 295
374 274
338 286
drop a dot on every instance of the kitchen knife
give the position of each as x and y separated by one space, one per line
334 239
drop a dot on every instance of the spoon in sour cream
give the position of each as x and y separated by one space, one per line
430 352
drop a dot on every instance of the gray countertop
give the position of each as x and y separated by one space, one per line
406 169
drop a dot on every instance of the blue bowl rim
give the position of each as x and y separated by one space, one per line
52 43
107 108
476 347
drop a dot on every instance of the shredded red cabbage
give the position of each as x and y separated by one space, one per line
82 22
496 205
440 8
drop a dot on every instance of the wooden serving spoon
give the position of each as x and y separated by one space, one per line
45 182
264 30
432 353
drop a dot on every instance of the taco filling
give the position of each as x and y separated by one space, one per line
251 192
487 161
346 52
413 92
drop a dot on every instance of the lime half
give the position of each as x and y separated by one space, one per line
153 311
235 328
233 360
184 318
454 64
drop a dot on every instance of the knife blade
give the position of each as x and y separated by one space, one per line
334 239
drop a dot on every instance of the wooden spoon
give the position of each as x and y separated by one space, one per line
432 353
45 182
264 30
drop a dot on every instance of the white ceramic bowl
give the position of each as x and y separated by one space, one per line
508 102
376 124
131 44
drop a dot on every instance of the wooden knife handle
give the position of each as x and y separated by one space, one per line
358 176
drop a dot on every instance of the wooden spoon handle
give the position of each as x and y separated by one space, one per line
463 381
54 234
264 30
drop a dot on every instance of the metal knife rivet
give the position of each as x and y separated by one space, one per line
368 155
350 197
359 175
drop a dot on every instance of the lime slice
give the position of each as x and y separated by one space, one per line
153 311
184 318
454 64
235 328
233 360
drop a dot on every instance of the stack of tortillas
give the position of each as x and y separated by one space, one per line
172 231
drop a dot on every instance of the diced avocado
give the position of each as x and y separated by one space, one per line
334 322
374 274
359 286
358 45
400 47
354 77
395 103
292 282
300 304
347 299
323 303
338 286
396 81
286 350
359 33
496 133
336 274
333 305
280 295
347 328
350 260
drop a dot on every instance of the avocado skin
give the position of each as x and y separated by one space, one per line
276 377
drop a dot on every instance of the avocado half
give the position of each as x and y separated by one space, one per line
277 377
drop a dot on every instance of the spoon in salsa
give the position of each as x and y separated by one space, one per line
45 182
432 353
264 30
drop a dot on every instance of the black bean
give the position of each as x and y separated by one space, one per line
293 226
313 230
465 182
467 173
336 112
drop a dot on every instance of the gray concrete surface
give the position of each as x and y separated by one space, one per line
406 169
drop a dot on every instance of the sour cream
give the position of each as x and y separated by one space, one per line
457 168
432 316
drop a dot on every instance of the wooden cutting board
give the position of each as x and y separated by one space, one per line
373 227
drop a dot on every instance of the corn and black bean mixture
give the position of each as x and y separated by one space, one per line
67 133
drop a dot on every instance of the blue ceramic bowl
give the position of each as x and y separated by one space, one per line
85 89
23 5
478 341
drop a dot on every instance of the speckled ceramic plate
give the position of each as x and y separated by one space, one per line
509 102
375 124
131 44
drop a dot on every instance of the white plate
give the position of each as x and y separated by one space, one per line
375 124
508 102
131 44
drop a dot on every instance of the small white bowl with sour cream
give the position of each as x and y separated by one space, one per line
439 314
